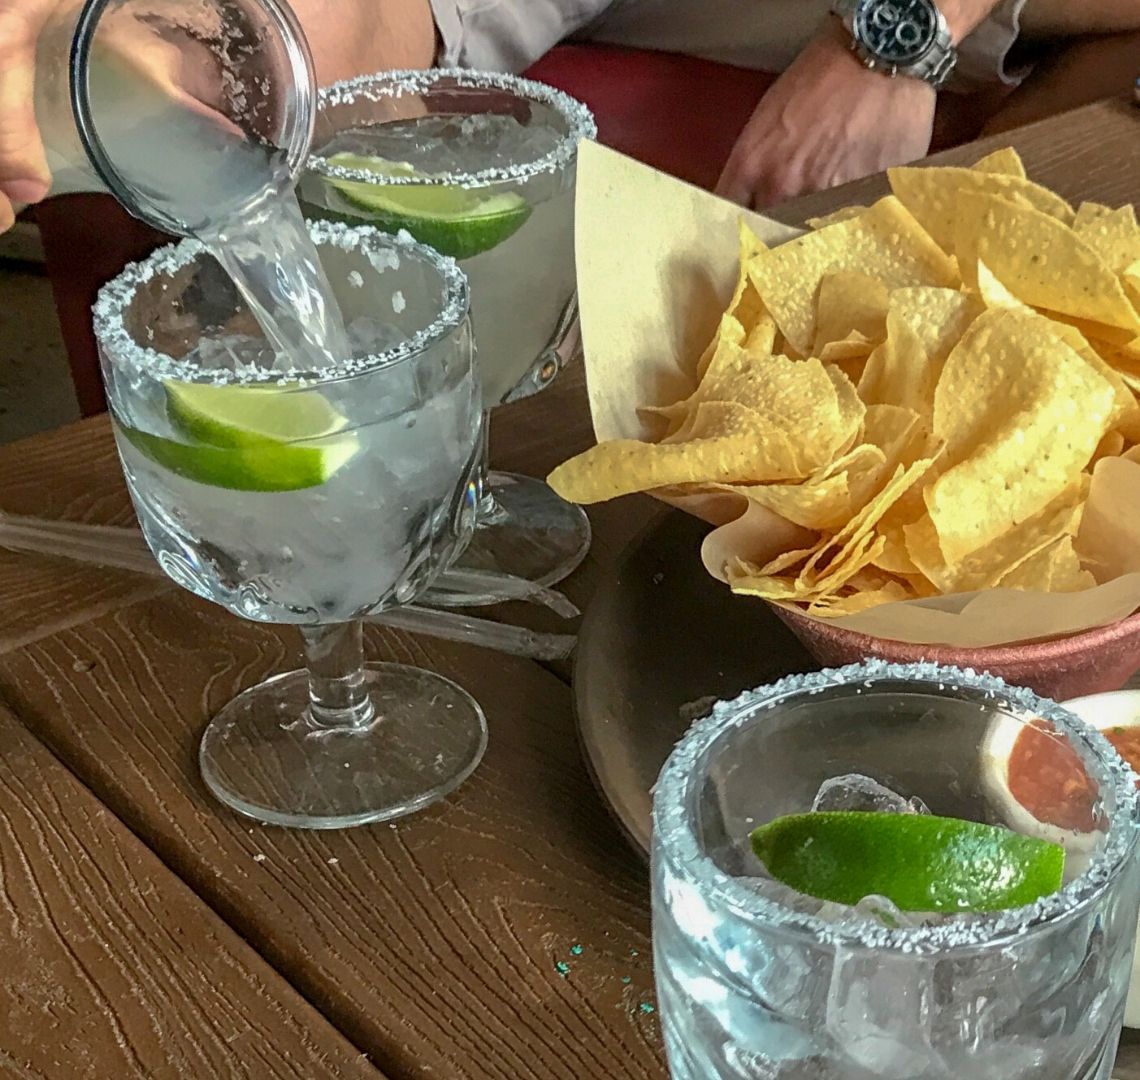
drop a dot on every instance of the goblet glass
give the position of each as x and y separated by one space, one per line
313 498
481 167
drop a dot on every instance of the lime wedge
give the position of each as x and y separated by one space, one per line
920 862
256 468
250 438
241 416
456 221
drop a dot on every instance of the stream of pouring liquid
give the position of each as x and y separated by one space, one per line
232 193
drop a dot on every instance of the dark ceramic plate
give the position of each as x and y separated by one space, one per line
659 639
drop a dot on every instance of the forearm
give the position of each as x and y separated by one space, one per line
358 37
1066 18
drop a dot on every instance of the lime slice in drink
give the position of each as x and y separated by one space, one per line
250 438
456 221
920 862
243 416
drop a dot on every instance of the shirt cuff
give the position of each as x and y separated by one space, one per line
449 32
983 56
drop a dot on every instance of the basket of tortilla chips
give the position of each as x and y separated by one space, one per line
916 421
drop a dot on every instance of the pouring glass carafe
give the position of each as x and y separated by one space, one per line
173 106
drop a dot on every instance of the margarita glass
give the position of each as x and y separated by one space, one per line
308 497
481 167
758 980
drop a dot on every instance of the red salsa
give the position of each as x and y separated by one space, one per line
1046 776
1126 740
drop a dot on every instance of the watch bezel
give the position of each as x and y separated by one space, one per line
863 10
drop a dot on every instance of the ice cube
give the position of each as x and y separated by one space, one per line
858 792
880 1011
235 352
883 910
779 893
370 335
474 124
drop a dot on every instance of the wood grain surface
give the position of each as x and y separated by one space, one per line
500 935
433 944
72 474
113 968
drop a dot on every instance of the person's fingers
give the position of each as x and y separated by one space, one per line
745 182
768 195
7 215
24 173
735 183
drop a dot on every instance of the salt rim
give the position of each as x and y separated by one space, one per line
391 84
117 343
676 838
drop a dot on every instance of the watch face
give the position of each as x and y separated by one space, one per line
896 31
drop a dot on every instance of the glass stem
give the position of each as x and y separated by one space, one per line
488 509
338 697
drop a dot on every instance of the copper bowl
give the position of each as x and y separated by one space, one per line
1090 662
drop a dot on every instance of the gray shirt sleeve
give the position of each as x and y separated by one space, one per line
983 57
506 35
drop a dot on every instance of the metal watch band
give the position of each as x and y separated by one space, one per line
935 67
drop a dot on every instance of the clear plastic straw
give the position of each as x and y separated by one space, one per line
125 549
506 587
502 637
40 535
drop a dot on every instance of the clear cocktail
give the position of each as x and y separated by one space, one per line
311 497
761 978
481 167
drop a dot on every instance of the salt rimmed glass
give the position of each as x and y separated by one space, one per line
514 143
355 511
757 981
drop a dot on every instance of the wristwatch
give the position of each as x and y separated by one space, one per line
900 37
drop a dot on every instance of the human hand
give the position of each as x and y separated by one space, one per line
24 173
157 63
824 121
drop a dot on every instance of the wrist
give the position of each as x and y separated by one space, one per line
833 46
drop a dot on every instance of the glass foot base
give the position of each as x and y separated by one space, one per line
533 534
263 757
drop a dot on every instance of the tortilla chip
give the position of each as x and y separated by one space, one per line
850 303
1041 261
1114 236
886 243
1006 161
932 196
845 213
726 443
938 316
1055 569
989 565
899 372
1021 414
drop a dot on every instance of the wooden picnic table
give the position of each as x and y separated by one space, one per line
502 935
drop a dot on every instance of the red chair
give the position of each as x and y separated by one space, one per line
677 113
